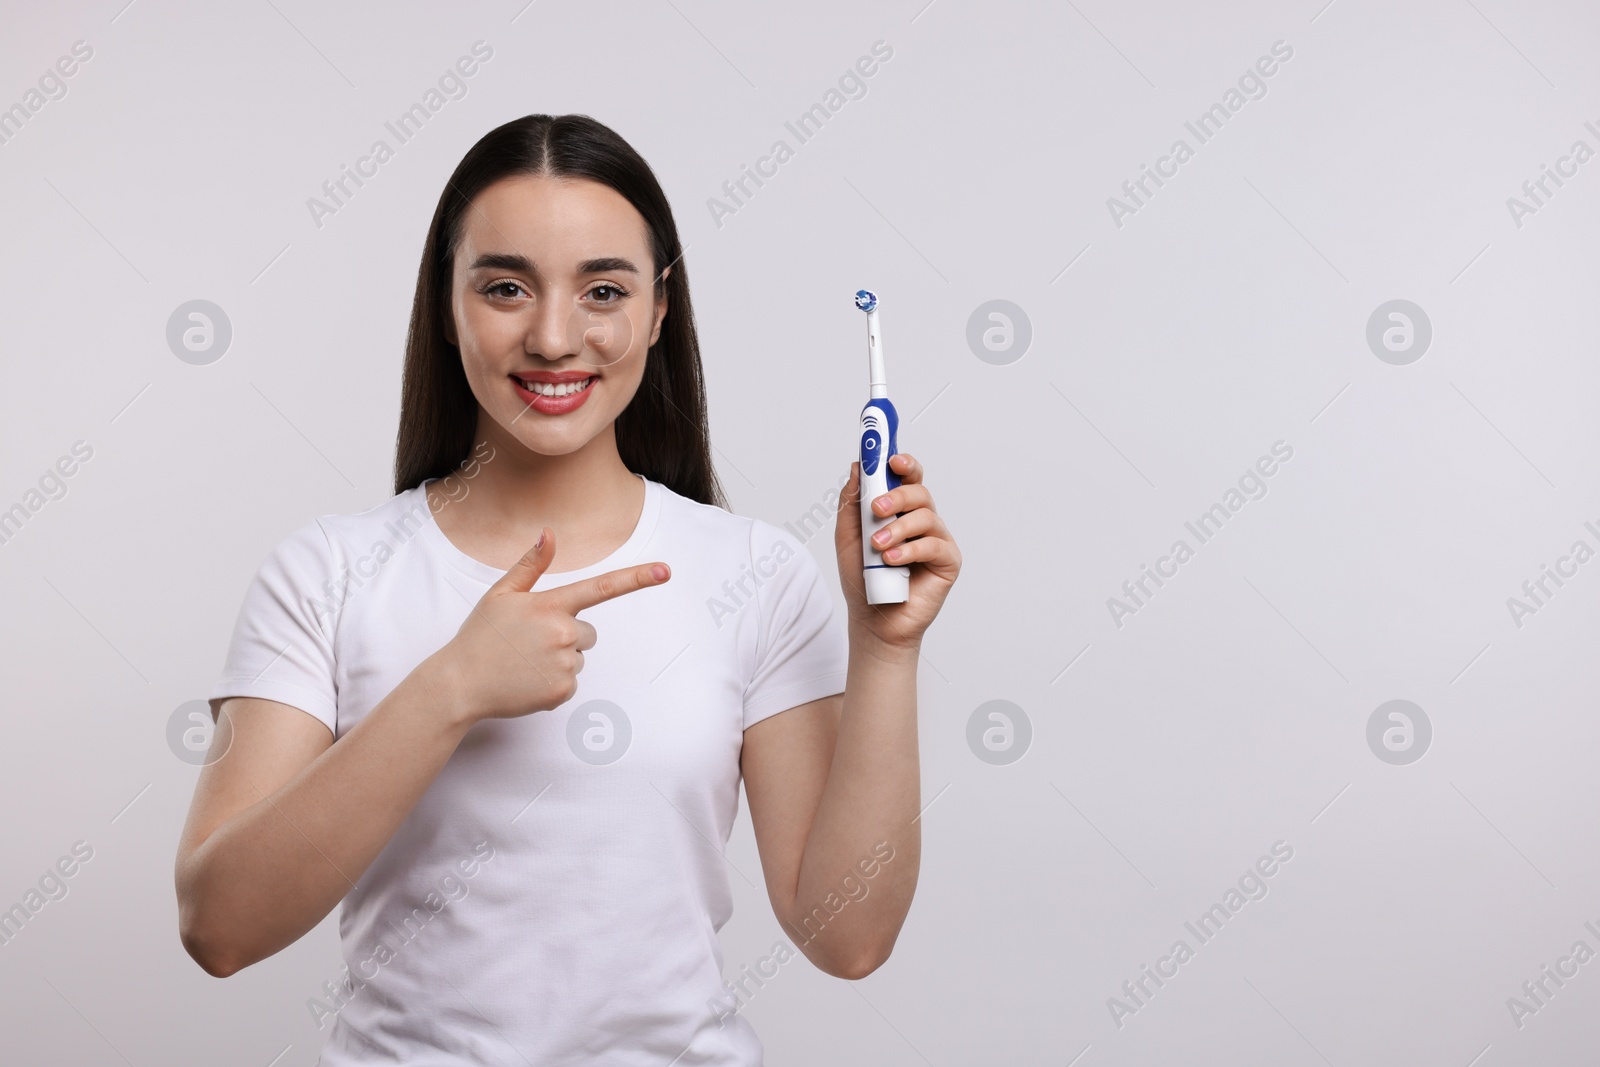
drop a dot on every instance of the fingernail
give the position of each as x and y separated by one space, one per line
537 545
881 537
882 502
893 553
659 572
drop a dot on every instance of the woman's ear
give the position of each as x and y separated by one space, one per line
661 309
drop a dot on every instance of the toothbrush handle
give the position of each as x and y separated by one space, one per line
885 583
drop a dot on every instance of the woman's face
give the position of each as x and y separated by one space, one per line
553 288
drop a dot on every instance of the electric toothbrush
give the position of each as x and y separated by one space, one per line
885 583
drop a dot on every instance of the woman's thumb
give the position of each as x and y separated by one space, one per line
525 571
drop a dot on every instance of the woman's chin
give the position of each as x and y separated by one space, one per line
550 436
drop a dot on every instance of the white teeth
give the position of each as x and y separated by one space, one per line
551 389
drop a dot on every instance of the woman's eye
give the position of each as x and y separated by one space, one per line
498 288
607 294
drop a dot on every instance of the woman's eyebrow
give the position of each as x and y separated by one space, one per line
515 261
607 265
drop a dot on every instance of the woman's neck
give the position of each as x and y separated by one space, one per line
588 497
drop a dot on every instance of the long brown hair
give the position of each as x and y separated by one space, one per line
663 432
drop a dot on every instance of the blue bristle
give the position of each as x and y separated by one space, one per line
866 299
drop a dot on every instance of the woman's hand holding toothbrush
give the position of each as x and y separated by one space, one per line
918 537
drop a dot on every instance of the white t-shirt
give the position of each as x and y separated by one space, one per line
555 896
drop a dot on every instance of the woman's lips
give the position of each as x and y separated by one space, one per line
554 405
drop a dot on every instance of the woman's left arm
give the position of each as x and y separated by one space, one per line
835 785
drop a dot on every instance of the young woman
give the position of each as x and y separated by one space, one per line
531 860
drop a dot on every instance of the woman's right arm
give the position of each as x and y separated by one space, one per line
286 820
284 823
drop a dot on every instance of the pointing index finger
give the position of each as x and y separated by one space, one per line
602 587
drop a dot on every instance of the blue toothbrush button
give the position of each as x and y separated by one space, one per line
870 451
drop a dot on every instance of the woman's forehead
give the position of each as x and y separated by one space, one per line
556 222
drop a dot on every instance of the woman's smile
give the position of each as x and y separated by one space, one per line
552 393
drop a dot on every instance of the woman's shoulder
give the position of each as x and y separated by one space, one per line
335 536
713 525
707 523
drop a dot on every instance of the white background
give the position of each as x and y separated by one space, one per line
1229 313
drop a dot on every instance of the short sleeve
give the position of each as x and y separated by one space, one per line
801 650
282 644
